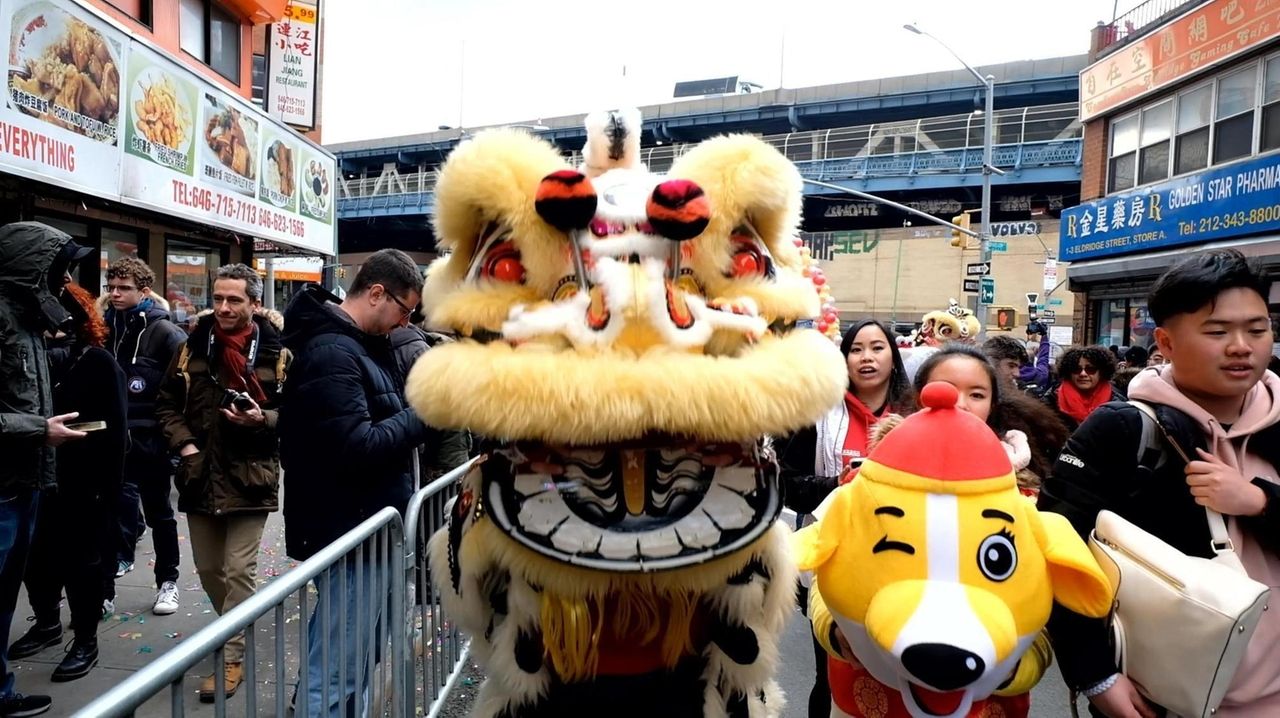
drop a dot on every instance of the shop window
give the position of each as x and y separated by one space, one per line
1153 157
211 35
1271 107
189 271
1233 125
116 243
1124 153
1192 144
260 80
1124 323
139 10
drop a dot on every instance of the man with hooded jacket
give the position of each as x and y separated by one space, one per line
35 263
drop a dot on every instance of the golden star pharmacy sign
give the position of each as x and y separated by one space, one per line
1230 201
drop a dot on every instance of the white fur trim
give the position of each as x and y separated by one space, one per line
595 154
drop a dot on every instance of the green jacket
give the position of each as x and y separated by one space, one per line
237 469
27 309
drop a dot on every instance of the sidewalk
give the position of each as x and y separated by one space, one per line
134 636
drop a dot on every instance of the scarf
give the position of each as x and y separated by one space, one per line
1077 405
233 364
833 431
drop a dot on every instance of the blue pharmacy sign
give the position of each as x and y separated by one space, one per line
1230 201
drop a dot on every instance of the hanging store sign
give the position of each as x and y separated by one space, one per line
294 45
1207 36
1229 201
94 110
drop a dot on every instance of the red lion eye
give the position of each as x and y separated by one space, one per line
747 262
502 263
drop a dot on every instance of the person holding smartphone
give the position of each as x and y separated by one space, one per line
76 530
35 264
217 409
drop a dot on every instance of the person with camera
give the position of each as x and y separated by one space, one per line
217 408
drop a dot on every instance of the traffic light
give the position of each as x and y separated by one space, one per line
958 238
1006 318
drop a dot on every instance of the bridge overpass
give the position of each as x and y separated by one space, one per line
915 139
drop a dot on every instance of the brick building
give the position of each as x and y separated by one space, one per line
1181 106
158 149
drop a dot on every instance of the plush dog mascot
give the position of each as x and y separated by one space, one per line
627 341
937 572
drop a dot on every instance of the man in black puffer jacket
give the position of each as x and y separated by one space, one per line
347 438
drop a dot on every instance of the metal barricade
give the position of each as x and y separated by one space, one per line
354 613
439 651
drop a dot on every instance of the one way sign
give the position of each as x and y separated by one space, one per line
977 269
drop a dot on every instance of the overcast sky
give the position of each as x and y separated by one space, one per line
396 67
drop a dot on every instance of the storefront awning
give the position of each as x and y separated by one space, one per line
259 11
1086 273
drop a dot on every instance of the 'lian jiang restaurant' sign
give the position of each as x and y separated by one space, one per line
1206 36
92 109
1230 201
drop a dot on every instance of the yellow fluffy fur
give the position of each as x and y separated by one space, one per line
494 177
529 392
749 181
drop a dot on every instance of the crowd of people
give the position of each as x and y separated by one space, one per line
107 405
1073 440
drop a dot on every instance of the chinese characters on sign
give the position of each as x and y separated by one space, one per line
1211 33
291 81
1228 201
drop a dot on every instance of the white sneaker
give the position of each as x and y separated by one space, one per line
108 608
166 599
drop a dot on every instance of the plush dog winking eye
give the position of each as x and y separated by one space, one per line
884 544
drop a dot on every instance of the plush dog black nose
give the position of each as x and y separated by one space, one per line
943 667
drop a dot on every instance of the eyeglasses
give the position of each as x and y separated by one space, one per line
109 288
404 308
1090 370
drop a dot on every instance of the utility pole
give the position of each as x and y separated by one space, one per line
988 140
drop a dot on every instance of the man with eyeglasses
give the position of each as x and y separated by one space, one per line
347 438
144 340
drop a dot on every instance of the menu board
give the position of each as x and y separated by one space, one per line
90 108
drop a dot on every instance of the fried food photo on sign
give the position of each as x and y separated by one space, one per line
161 116
279 177
225 135
76 72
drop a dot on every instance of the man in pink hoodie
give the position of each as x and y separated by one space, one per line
1219 402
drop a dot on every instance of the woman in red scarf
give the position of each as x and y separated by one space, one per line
1084 383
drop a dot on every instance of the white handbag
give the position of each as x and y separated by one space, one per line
1180 623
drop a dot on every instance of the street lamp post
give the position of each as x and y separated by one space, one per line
988 138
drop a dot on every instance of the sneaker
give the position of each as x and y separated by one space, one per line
123 567
108 608
16 705
166 599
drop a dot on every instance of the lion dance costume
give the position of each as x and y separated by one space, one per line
628 340
954 324
939 574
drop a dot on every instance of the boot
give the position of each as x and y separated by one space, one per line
81 659
231 677
36 639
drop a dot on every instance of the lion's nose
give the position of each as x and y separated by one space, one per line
941 666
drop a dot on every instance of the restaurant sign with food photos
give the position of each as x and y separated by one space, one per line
92 109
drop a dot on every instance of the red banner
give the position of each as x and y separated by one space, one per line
1205 37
